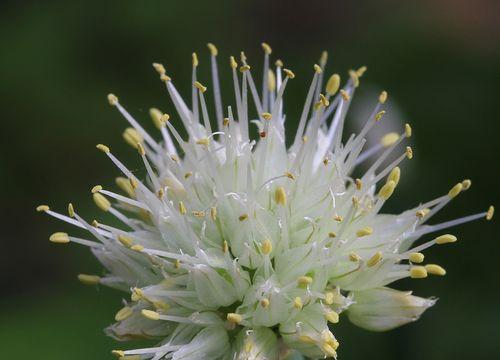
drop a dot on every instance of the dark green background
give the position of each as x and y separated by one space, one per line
439 60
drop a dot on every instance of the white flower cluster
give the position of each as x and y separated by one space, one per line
242 248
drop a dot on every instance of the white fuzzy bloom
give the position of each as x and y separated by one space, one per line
239 248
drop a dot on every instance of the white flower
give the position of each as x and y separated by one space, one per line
234 248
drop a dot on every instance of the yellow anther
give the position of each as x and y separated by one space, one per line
421 213
358 183
280 195
264 303
455 190
42 208
89 279
267 116
213 213
137 294
332 316
367 230
165 78
297 303
375 259
124 313
157 117
490 213
386 191
150 314
243 57
289 73
101 202
304 280
132 137
203 141
395 175
389 139
361 71
245 68
103 148
267 49
195 59
304 139
317 69
289 175
323 100
332 234
96 189
329 350
466 184
382 97
71 210
344 95
133 182
279 63
124 184
355 201
177 264
338 218
354 77
408 130
445 239
118 353
140 149
266 247
198 213
125 240
307 339
323 58
409 152
160 69
137 247
233 62
379 115
161 305
333 84
416 257
434 269
182 208
213 49
225 122
225 247
112 99
418 272
59 238
161 194
199 86
234 318
271 80
243 217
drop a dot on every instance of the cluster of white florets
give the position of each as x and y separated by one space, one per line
235 248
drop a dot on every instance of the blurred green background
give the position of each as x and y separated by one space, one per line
439 61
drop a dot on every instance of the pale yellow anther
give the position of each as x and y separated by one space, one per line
317 69
358 183
101 202
445 239
150 314
329 350
367 230
280 196
416 257
264 303
124 313
59 238
112 99
245 68
297 303
233 62
382 97
160 194
289 175
408 130
266 247
267 49
89 279
225 122
160 69
306 339
203 141
165 78
132 137
157 117
199 86
332 316
234 318
96 189
323 58
278 63
137 294
375 259
125 240
71 210
198 213
379 115
103 148
455 190
354 77
289 73
177 264
324 101
125 186
225 247
243 57
161 305
118 353
389 139
243 217
345 95
418 272
42 208
434 269
329 298
137 247
361 71
266 116
490 213
271 80
332 234
304 280
182 208
194 59
409 152
213 213
466 184
386 191
213 49
421 213
395 175
333 84
338 218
